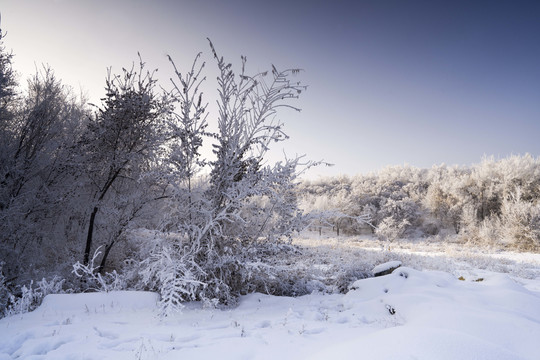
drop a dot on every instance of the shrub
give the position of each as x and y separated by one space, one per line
521 223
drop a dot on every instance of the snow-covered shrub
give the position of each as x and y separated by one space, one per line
391 229
349 274
243 207
442 200
520 223
468 224
287 282
171 271
30 297
5 293
399 217
24 302
488 231
92 279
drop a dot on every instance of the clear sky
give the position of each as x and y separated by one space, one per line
390 82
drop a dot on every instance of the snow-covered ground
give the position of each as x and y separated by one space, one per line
420 311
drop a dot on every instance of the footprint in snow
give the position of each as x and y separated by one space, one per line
106 334
39 347
263 324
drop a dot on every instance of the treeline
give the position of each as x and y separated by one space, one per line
495 202
111 196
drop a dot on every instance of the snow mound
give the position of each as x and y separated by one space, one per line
492 319
387 266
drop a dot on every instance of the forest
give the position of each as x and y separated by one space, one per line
80 183
119 195
494 203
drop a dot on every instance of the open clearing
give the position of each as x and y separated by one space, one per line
420 311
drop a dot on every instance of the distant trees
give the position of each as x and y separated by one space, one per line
494 202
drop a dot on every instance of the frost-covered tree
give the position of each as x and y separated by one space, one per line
121 140
227 223
520 222
246 129
398 218
186 130
8 84
335 207
33 186
188 124
477 203
445 197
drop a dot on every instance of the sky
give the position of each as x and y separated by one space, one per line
389 82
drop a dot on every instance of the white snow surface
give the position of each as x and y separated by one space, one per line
409 314
386 266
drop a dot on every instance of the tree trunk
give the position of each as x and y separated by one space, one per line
89 236
108 184
105 255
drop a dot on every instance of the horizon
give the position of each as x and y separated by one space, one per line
389 83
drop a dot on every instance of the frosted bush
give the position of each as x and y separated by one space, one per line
52 286
468 224
174 275
30 297
93 280
25 302
4 291
521 223
391 229
489 231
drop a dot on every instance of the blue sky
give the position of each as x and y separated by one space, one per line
390 82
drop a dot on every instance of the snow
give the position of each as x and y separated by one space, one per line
386 266
94 302
409 314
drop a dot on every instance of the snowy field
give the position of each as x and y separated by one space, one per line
447 301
